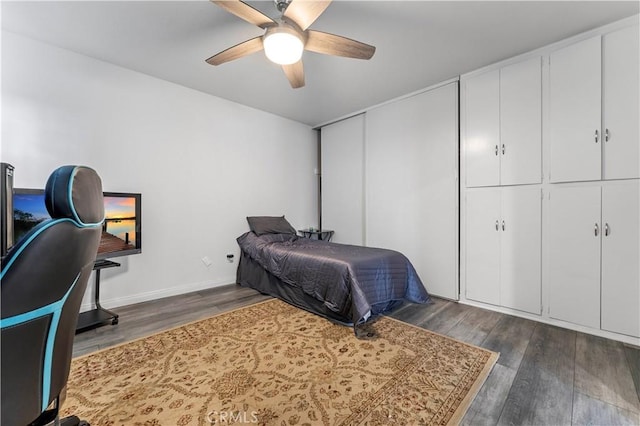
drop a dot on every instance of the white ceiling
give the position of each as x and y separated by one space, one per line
419 43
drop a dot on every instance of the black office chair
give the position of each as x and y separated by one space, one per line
42 281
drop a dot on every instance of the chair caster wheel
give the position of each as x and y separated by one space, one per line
114 321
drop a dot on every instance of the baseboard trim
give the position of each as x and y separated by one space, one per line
158 294
558 323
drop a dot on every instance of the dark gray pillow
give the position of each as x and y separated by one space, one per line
261 225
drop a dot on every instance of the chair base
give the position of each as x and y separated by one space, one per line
50 418
71 421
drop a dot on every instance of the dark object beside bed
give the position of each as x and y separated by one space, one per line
347 284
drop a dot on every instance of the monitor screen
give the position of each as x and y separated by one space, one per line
121 230
28 211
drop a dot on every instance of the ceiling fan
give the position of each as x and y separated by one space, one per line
285 39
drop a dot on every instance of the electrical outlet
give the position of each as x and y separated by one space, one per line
206 261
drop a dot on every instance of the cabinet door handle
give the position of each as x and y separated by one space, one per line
597 136
606 135
597 230
496 150
497 226
503 225
502 149
607 231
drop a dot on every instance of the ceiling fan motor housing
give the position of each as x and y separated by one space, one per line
288 27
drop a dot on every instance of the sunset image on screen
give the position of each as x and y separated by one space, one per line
119 227
119 208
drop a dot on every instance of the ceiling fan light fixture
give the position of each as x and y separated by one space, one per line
283 45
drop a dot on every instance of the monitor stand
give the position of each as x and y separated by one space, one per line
99 316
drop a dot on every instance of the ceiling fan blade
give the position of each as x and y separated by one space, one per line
238 51
305 12
331 44
246 12
295 74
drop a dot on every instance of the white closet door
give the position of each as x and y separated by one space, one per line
482 259
620 104
521 123
520 249
411 184
342 153
574 254
621 258
482 129
574 111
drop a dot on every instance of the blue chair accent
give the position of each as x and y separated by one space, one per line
42 281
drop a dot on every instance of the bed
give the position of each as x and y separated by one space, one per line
344 283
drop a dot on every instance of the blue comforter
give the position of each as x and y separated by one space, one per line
347 279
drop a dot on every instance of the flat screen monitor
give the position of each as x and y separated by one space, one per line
121 230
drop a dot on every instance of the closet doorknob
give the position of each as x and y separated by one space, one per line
606 230
497 226
503 225
496 150
597 230
606 135
597 136
502 149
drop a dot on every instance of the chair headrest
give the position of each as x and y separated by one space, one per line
75 192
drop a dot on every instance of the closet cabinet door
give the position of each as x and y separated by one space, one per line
342 162
521 123
520 249
411 183
620 104
574 112
482 221
482 129
574 255
621 257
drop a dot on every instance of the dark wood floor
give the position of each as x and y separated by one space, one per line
545 375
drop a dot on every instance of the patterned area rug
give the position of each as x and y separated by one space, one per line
274 364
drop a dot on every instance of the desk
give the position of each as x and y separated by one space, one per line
324 235
98 316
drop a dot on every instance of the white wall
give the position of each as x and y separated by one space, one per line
201 163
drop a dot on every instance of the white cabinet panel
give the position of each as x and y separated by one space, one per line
574 112
411 159
621 258
520 249
521 122
503 126
482 129
503 247
482 263
620 104
590 212
574 254
342 153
